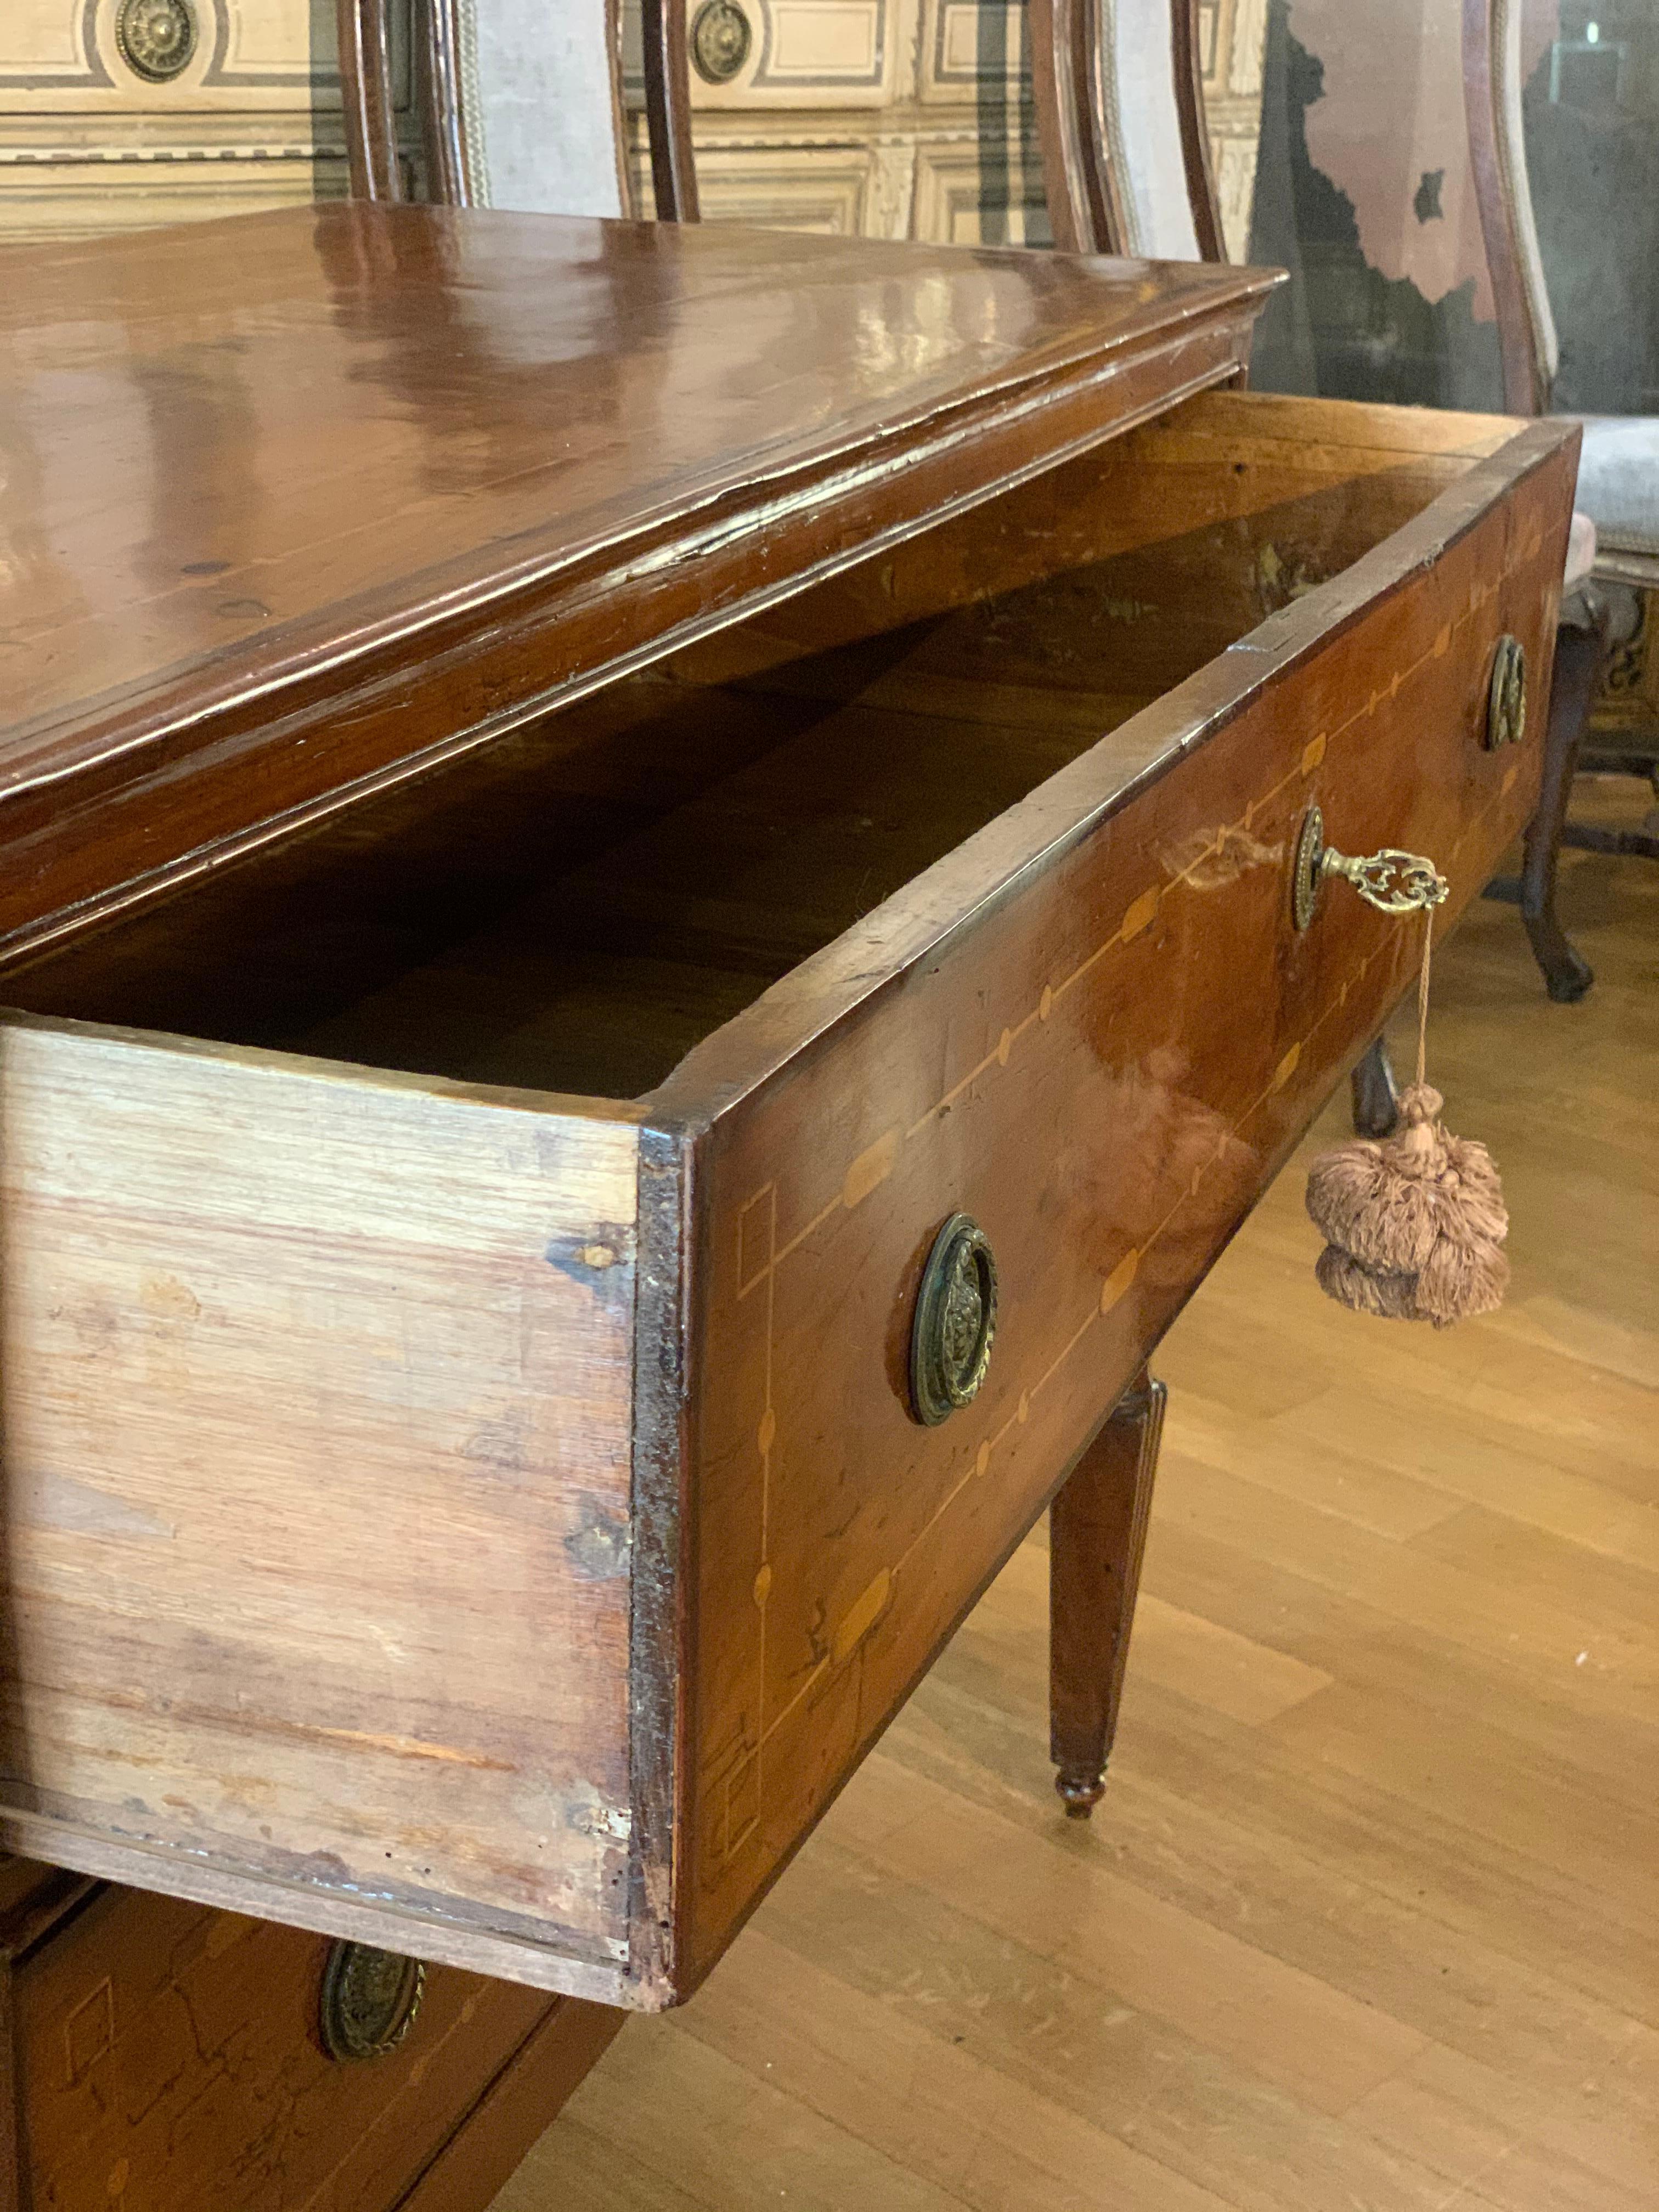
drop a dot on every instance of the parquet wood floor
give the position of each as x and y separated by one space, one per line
1369 1919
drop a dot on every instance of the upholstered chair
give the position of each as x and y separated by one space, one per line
1616 531
522 103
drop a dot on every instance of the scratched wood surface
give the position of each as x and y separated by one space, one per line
305 497
318 1394
1222 457
1367 1915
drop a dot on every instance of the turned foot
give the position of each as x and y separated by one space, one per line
1080 1793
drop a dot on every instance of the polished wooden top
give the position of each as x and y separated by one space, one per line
257 465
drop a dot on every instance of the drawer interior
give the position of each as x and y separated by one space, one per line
574 907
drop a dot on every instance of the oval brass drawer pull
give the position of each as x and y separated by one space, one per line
1392 881
1506 694
956 1320
369 2000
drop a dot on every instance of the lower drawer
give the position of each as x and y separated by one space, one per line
467 1483
171 2058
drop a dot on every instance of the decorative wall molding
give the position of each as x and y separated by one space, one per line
889 117
251 120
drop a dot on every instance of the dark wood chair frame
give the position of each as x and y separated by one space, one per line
1582 644
1097 1522
1083 177
371 135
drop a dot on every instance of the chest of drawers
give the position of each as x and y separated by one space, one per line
156 2055
578 799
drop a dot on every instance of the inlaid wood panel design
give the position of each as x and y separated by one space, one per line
490 1521
156 2055
168 2056
88 143
1104 1083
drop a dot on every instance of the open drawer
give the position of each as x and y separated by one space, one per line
466 1482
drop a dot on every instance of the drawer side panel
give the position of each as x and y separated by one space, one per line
316 1421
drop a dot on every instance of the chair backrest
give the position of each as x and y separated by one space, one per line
1492 87
522 103
1116 86
1367 194
1118 98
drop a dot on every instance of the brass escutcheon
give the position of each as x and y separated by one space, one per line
1305 873
155 38
1392 881
1506 694
720 40
368 2001
955 1321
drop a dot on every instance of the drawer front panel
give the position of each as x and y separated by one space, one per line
170 2058
1103 1066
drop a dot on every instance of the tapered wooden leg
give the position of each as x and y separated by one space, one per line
1376 1094
1097 1535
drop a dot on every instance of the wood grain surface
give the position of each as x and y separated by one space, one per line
1093 1029
317 1453
890 928
1222 457
1367 1915
307 497
169 2056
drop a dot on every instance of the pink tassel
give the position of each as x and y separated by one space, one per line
1414 1223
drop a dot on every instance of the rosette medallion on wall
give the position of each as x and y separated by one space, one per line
155 38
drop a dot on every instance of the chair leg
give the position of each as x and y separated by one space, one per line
1641 843
1097 1535
1376 1094
1579 652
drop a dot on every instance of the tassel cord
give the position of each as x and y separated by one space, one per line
1423 996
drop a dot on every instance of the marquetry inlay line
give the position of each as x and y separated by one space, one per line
1143 910
868 1608
870 1169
